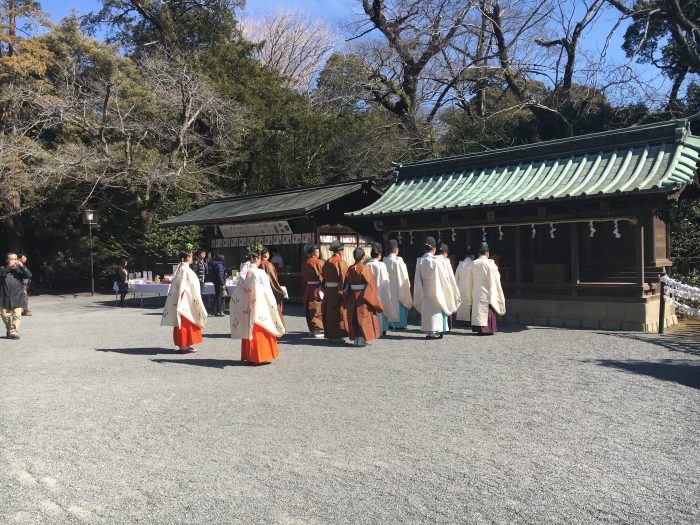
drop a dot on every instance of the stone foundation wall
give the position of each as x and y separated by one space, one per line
640 315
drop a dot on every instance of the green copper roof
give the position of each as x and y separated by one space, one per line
652 158
282 204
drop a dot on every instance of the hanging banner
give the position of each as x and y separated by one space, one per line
254 229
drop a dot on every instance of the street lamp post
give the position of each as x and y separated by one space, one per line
90 218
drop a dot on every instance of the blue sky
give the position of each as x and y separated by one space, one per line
338 12
334 11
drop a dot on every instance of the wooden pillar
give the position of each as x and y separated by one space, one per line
575 269
518 259
639 252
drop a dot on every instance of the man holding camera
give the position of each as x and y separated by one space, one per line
12 277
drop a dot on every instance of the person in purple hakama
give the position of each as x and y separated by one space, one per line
484 293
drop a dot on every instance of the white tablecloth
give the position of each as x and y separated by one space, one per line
162 289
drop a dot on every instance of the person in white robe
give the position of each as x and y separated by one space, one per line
381 276
484 293
255 318
430 289
400 287
452 293
184 309
464 310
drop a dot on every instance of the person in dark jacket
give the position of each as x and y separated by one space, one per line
122 278
25 306
12 277
218 279
199 266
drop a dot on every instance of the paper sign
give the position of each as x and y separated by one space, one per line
258 228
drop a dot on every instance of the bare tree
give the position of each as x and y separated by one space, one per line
292 44
148 129
405 73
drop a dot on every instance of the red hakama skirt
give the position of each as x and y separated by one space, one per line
262 348
188 334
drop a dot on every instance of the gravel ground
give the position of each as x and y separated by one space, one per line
101 422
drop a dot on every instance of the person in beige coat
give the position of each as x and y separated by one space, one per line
484 293
400 288
464 312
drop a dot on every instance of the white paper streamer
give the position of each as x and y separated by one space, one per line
454 235
552 229
399 238
534 231
439 236
411 234
592 229
500 233
675 289
684 308
616 231
679 289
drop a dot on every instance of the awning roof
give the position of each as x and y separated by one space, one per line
283 204
651 158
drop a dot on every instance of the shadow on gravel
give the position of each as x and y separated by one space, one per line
216 336
149 303
209 363
686 373
669 342
303 339
137 351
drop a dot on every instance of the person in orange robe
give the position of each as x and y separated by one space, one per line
335 270
312 275
254 316
184 309
362 303
271 272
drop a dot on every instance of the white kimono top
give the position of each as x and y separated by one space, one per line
464 310
184 299
399 284
484 289
253 303
381 279
430 290
452 294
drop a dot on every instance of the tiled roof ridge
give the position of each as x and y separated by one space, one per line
667 131
293 190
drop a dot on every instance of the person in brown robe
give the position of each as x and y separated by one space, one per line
271 272
335 271
362 303
311 275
